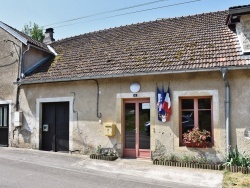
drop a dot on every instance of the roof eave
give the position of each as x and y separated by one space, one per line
13 33
27 82
239 11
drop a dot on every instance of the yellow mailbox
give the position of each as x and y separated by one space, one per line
109 129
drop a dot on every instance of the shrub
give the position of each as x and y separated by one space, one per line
235 158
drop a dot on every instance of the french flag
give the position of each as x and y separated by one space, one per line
167 105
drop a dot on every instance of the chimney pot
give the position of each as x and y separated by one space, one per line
48 39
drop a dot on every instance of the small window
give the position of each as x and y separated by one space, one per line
195 112
4 116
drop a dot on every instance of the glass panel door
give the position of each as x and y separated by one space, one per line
137 128
1 116
130 126
5 116
4 125
144 126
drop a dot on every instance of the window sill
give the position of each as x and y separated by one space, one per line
197 145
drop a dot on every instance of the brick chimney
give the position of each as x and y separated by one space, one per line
48 39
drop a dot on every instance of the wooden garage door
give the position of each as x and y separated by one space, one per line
55 126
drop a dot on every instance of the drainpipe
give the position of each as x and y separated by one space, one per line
97 100
18 70
22 75
227 109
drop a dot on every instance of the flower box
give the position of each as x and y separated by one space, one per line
196 145
196 138
103 157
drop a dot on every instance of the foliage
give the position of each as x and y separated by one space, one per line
186 158
235 158
173 158
203 160
105 151
196 136
34 31
195 159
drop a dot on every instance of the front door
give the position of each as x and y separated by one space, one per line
136 126
4 124
55 126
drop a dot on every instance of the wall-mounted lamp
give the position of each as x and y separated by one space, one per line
135 87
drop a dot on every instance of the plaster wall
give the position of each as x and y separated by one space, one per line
32 56
240 108
87 129
11 51
9 63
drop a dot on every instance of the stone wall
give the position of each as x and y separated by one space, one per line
86 129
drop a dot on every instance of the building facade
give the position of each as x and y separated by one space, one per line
99 89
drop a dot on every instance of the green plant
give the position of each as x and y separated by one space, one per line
173 158
235 158
105 151
99 148
203 160
185 158
111 153
196 136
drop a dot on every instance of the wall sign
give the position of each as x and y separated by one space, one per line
145 106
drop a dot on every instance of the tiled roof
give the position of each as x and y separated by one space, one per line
21 35
177 44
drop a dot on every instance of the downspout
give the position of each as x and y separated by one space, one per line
227 109
18 71
18 78
99 115
22 70
23 58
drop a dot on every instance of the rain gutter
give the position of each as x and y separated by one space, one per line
41 49
25 82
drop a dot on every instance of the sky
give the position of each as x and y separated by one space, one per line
101 14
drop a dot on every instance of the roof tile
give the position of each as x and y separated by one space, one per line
194 42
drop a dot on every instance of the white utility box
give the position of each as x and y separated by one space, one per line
18 119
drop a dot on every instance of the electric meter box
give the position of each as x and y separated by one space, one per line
18 119
109 129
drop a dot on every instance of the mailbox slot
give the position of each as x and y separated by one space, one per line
45 127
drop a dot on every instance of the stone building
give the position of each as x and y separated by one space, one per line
100 88
19 54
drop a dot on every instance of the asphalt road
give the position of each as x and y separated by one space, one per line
19 174
24 168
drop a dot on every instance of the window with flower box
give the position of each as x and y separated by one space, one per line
195 112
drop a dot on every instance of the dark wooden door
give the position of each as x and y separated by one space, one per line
4 125
55 126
